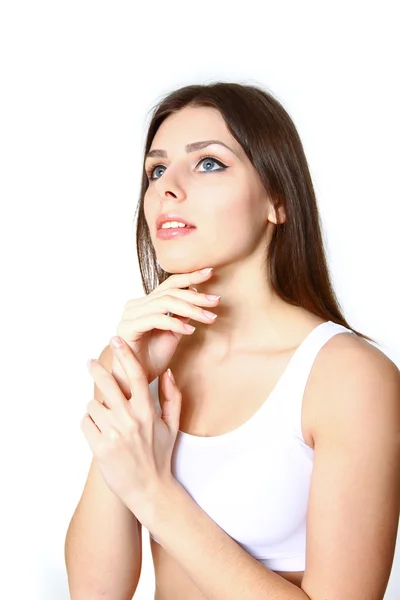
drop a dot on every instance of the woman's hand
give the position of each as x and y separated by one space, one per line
152 335
132 444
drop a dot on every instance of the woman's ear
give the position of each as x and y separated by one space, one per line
276 212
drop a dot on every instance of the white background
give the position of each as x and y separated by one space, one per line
77 80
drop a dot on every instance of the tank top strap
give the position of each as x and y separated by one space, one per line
291 387
299 369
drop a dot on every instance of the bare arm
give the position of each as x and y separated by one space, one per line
103 545
353 513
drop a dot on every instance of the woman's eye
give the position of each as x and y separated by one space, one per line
207 160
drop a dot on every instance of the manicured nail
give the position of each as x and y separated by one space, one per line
209 314
171 376
116 342
206 270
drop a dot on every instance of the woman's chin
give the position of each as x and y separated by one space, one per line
179 267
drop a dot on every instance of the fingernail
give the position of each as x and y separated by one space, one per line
116 342
206 270
171 376
209 314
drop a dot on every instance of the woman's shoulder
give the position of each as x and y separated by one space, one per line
350 376
348 351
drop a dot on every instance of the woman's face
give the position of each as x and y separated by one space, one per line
221 195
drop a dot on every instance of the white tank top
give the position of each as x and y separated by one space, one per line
254 481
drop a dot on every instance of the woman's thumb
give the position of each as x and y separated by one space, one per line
171 410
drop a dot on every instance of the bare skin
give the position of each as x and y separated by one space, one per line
255 329
234 222
203 415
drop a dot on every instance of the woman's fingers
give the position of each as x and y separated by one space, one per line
110 389
101 416
143 323
183 280
120 377
175 283
172 303
191 295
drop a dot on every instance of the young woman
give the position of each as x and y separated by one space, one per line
275 475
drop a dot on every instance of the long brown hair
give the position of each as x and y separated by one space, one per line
296 262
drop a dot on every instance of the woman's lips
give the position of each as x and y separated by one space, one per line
172 232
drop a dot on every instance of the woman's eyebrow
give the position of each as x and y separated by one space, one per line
190 148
